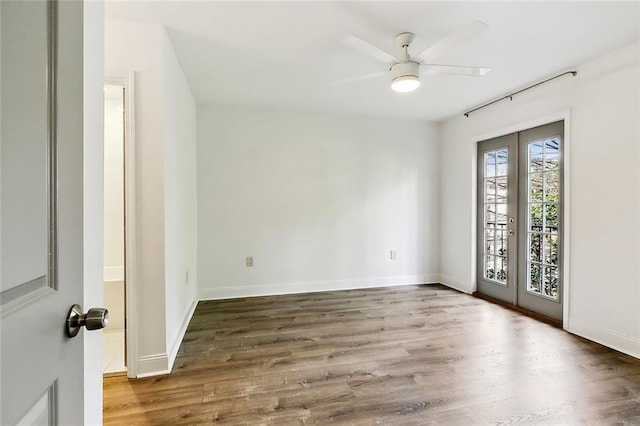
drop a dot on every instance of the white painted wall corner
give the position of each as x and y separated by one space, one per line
177 341
454 283
606 337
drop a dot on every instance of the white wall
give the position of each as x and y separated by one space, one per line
113 186
180 200
114 297
604 188
164 123
318 201
138 47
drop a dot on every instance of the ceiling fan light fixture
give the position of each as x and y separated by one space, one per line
405 84
405 77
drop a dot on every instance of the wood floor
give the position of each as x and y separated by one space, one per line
412 355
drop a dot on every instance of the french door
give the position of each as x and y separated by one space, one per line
519 219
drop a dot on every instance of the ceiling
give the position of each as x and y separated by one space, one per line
288 54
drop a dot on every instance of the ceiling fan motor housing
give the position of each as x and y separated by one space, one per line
405 69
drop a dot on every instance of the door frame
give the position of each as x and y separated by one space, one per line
564 115
127 79
93 45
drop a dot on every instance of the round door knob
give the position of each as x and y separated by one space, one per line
94 319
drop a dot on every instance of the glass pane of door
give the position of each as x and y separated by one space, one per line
495 216
542 216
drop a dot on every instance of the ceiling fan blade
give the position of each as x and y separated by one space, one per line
358 78
474 28
454 69
369 49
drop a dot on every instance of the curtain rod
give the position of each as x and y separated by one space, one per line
511 95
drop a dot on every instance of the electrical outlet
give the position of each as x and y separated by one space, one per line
392 255
249 261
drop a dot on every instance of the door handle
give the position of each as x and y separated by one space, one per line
94 319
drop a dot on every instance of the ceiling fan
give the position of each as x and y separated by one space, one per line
405 70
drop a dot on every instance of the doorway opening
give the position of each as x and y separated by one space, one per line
114 337
519 211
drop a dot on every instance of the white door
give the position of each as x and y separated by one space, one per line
41 211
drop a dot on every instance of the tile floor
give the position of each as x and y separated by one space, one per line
113 355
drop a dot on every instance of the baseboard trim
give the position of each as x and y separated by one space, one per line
236 291
152 374
153 365
606 337
455 284
162 363
177 341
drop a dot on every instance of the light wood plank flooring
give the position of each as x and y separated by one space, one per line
411 355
